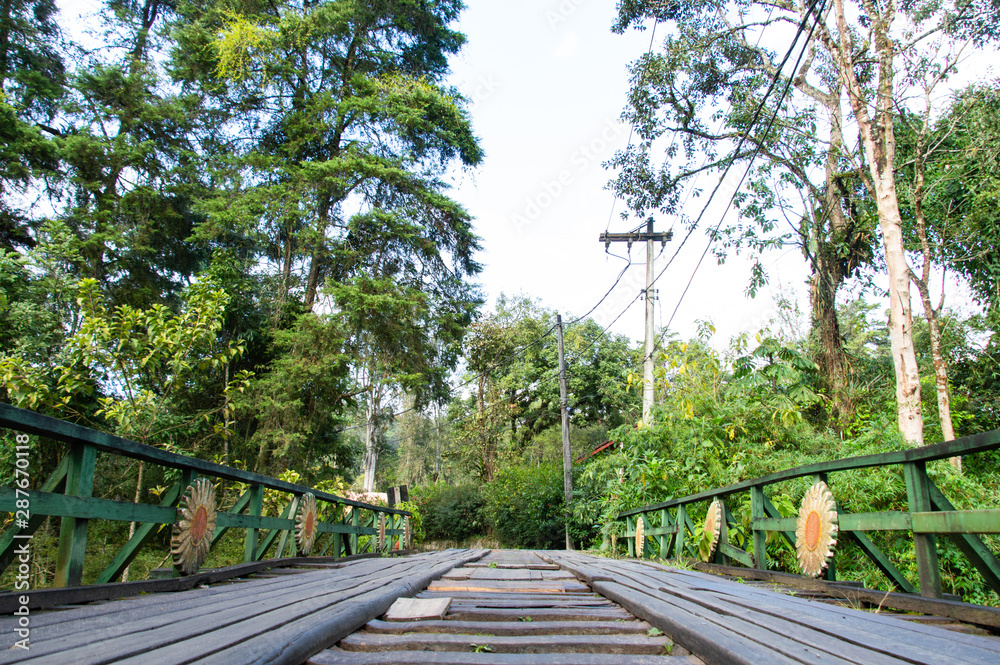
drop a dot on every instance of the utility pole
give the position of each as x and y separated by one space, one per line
564 408
647 366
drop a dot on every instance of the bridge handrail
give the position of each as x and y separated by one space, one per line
30 422
928 514
975 443
68 494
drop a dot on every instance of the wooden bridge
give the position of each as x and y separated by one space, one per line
333 581
479 607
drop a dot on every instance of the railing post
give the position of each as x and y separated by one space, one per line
681 532
338 538
73 530
288 535
630 523
354 523
255 508
759 535
665 537
919 500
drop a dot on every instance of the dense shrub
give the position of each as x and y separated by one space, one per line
450 512
524 507
416 521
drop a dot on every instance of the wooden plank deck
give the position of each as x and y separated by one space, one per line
506 608
730 623
279 619
511 608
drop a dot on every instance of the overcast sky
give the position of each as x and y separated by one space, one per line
548 81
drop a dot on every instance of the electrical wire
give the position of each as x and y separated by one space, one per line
800 30
757 113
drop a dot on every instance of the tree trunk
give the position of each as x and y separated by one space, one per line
371 441
922 283
879 143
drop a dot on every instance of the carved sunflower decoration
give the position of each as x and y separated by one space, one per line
306 523
816 530
191 537
640 537
713 527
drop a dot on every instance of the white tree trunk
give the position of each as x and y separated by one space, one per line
904 357
879 142
371 443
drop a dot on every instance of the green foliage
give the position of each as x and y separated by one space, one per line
450 512
416 521
525 507
513 358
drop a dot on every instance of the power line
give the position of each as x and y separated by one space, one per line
757 113
743 138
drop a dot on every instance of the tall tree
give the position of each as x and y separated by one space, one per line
729 64
131 159
32 75
341 132
801 190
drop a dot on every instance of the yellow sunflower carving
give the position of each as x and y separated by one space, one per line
713 527
191 537
640 537
816 530
306 523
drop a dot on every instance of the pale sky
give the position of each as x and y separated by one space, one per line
548 82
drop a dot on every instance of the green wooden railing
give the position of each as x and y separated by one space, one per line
667 530
343 527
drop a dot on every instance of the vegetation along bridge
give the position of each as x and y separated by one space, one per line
334 581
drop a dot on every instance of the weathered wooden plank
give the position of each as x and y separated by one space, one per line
41 598
206 629
332 657
740 629
533 627
890 628
450 586
535 644
911 642
418 609
977 614
474 595
201 614
714 645
204 612
797 607
528 566
294 642
552 601
787 628
548 614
